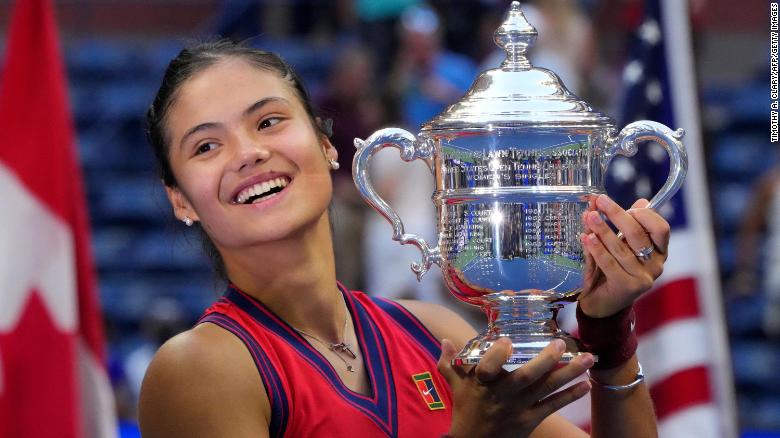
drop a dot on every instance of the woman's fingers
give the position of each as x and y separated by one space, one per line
640 203
560 399
590 270
603 258
448 352
592 202
657 227
621 252
636 281
560 377
490 365
634 233
585 225
659 232
537 367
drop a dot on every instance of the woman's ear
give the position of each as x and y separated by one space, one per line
330 152
182 208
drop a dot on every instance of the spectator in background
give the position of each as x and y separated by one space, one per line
354 102
566 44
378 22
426 77
759 239
424 80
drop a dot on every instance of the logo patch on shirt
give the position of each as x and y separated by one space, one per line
428 390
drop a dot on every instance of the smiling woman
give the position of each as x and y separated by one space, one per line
187 66
253 130
287 350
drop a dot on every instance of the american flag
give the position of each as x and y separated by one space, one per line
680 324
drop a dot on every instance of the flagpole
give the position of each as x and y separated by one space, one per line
675 14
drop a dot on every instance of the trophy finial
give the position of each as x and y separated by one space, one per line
515 36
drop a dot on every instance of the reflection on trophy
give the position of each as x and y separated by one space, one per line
514 163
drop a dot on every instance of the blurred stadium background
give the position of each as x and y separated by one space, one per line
153 278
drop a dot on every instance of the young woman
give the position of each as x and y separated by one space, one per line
287 350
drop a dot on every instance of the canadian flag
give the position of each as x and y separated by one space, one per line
53 381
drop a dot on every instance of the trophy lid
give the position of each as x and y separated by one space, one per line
517 94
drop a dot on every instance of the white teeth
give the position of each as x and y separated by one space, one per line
259 189
264 198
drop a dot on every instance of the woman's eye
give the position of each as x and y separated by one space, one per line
205 147
267 123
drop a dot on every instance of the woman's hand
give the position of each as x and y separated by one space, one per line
614 274
491 402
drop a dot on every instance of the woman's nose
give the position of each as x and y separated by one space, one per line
250 153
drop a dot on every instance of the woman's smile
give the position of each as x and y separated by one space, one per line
260 188
264 194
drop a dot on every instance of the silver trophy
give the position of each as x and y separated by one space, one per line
514 162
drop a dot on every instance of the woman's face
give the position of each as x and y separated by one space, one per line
248 162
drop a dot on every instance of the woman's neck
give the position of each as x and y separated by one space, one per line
295 278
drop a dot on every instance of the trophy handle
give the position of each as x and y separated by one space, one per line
411 149
644 130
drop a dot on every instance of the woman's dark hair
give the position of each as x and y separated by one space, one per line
188 63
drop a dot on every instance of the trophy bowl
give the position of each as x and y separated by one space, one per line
514 162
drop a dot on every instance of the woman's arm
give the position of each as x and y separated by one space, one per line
203 383
615 277
621 413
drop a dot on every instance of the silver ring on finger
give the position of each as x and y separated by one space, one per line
644 253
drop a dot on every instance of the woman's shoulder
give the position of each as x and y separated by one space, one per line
203 348
203 382
441 321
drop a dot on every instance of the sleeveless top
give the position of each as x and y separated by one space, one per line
407 397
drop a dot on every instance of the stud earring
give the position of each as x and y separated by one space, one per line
187 221
334 164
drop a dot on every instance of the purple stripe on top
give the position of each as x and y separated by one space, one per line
280 408
412 325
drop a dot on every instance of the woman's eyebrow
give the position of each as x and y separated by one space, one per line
196 129
247 112
262 102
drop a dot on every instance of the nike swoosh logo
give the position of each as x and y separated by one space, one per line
427 392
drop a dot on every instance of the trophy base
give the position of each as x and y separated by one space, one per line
523 350
526 319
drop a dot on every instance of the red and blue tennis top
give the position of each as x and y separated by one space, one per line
408 397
